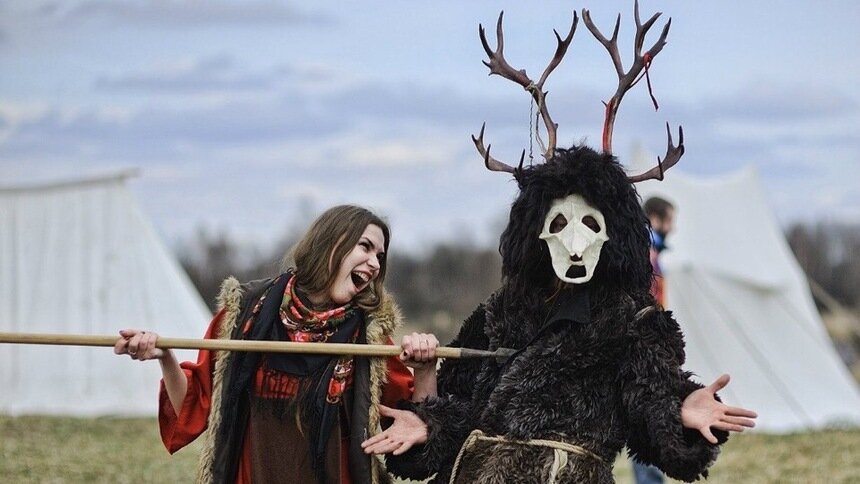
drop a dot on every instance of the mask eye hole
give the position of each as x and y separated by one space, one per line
558 224
591 223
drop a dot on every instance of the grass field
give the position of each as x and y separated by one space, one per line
68 450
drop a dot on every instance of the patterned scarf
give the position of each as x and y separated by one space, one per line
306 325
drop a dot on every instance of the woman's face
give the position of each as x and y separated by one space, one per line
360 267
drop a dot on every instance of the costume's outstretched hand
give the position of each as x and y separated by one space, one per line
701 411
407 430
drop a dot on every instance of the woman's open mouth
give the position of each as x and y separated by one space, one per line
359 278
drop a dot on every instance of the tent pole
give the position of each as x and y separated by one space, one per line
834 306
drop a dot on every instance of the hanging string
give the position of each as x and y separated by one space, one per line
531 132
534 128
537 133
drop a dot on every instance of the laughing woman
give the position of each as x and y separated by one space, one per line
295 418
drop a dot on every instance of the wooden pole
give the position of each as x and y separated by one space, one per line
243 345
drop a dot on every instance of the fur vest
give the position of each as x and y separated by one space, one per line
370 376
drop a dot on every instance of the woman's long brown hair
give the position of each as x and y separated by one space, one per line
317 256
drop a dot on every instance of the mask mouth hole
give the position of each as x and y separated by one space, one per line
575 272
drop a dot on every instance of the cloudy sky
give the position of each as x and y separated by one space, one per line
243 115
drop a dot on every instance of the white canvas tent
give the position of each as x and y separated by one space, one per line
81 257
746 308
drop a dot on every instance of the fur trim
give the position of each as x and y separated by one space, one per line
229 299
381 323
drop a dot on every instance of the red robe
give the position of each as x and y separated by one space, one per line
177 431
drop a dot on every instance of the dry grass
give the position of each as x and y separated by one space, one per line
68 450
831 456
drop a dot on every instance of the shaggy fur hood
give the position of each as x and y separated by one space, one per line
601 180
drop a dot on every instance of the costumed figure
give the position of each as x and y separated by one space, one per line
599 362
285 418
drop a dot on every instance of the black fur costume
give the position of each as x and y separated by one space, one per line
602 363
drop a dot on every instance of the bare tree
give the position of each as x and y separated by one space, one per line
830 255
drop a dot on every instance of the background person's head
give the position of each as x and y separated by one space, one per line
661 215
343 247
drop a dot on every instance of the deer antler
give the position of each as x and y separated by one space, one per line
491 163
628 79
498 65
673 154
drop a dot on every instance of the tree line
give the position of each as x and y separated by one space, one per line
829 254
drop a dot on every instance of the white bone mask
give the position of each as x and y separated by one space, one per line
575 232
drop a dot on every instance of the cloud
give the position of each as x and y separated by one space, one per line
405 130
382 113
366 124
212 74
182 13
160 132
504 110
222 74
768 102
794 135
413 101
360 149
